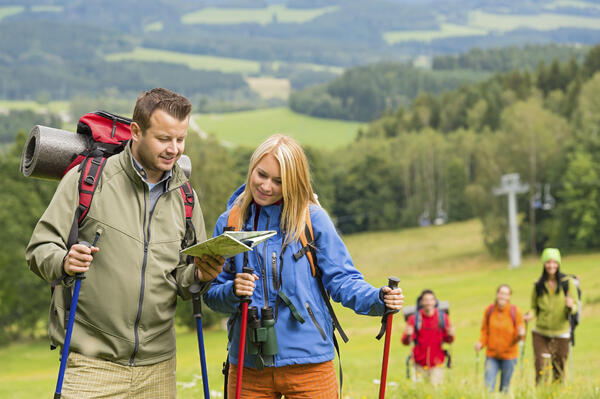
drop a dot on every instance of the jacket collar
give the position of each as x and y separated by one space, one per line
126 160
272 212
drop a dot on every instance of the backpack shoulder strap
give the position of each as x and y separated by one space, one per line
307 241
233 219
91 169
565 284
513 315
488 314
187 195
441 320
308 249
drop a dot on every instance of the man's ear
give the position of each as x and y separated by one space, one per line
136 132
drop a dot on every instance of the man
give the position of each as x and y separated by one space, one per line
123 342
431 331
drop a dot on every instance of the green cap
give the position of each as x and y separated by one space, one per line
550 254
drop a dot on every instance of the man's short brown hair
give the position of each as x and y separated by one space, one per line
166 100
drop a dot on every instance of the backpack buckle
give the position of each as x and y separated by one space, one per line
89 180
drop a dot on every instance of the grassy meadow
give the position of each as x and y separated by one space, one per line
481 23
21 105
250 128
449 259
193 61
262 16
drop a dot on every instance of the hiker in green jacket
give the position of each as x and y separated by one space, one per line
123 342
554 300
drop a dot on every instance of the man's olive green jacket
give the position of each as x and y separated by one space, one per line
126 307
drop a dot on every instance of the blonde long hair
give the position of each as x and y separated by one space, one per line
295 183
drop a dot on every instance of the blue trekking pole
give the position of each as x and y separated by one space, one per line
197 300
72 311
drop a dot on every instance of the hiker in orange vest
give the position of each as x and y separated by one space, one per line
501 330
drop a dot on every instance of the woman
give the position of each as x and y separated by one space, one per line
554 300
276 197
501 330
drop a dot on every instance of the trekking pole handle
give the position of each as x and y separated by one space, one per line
249 270
81 276
393 282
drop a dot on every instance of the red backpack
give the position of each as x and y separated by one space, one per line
107 134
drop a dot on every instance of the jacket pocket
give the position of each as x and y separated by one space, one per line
316 323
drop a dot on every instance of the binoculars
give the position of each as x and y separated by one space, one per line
261 339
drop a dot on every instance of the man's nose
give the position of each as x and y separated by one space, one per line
172 147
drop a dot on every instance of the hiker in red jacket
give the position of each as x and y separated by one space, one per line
431 331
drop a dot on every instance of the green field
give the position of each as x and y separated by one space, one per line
206 62
571 3
449 259
250 128
7 11
543 21
263 16
480 23
193 61
446 30
52 106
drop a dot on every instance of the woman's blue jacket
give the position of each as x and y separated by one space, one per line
280 276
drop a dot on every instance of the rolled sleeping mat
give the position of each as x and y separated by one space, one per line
48 152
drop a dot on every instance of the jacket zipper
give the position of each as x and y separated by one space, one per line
144 264
263 269
314 319
274 270
143 282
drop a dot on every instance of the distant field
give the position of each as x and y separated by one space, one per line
481 23
193 61
154 27
206 62
250 128
449 259
270 87
263 16
52 106
571 3
447 30
7 11
545 21
47 8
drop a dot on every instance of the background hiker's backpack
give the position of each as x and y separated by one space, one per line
442 307
573 318
512 311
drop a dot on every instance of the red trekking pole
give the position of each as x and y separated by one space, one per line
386 328
240 366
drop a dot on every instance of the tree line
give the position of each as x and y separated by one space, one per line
365 93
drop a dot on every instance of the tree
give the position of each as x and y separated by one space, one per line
528 145
25 297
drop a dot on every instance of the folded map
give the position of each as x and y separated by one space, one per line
229 244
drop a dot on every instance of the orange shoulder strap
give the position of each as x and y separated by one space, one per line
233 219
307 239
